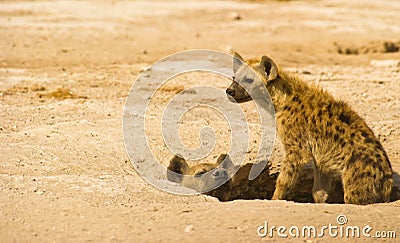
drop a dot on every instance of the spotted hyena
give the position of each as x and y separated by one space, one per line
203 176
313 126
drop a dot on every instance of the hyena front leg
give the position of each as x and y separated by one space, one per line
289 174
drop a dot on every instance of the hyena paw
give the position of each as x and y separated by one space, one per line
320 196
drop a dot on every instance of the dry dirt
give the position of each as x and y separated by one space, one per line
66 68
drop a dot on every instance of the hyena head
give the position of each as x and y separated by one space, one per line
264 70
203 176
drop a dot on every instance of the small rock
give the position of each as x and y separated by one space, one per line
39 192
189 228
236 16
144 69
210 198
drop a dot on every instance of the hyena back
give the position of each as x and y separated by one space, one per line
313 126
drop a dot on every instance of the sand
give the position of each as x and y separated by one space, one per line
66 68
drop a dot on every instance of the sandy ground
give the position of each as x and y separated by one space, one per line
66 68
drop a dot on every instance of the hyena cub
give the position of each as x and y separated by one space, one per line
313 126
203 176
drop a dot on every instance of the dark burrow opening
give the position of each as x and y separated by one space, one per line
263 187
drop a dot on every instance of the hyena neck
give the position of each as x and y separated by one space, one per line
284 88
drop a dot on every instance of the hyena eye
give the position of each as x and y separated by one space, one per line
248 80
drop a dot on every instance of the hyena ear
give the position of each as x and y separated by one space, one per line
269 67
237 61
177 168
225 162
